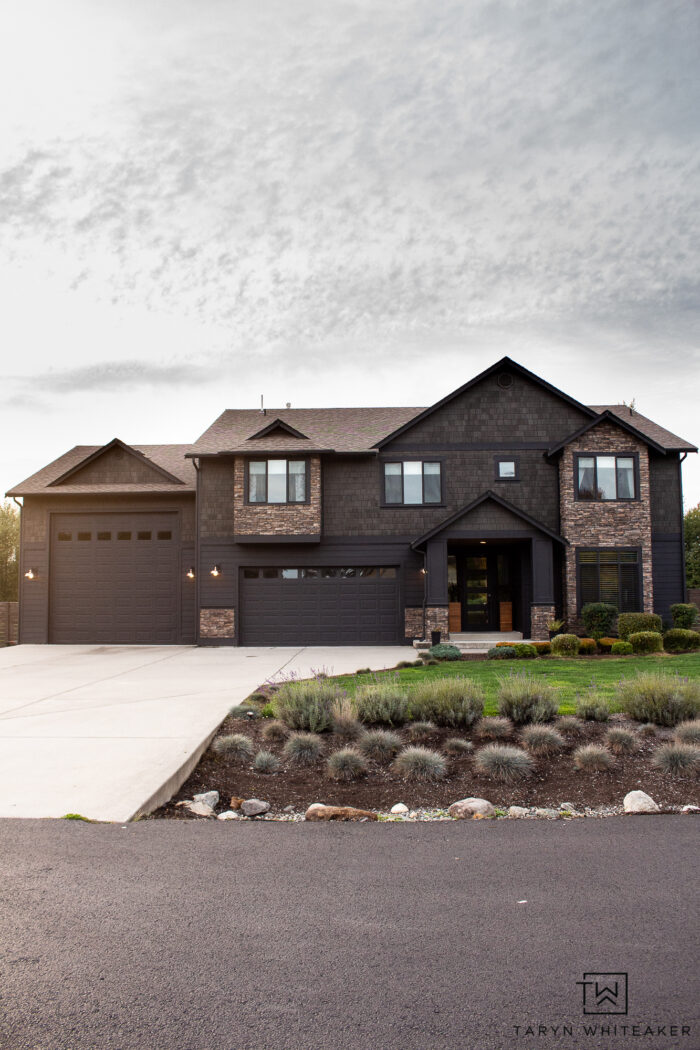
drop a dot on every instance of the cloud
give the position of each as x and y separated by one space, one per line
113 376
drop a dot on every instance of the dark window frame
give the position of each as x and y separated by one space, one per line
321 573
598 550
412 459
515 460
634 456
288 503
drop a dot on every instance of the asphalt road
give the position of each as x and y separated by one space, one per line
224 936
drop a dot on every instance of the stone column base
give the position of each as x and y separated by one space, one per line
539 616
217 625
436 619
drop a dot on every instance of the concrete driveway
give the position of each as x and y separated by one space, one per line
112 731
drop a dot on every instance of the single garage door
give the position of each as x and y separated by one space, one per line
326 605
114 579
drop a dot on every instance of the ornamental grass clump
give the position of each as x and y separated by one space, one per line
569 724
593 758
307 705
526 698
542 740
266 762
421 732
275 732
688 732
648 729
592 707
621 741
663 699
303 749
381 703
455 702
677 759
235 745
457 745
495 728
347 764
381 745
345 723
503 762
420 763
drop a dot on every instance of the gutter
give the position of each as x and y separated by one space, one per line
681 460
195 463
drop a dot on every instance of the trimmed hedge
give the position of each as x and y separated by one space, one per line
587 646
680 640
501 652
565 645
685 615
646 642
543 648
633 623
598 618
605 644
621 649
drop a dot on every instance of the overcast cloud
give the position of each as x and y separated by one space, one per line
345 203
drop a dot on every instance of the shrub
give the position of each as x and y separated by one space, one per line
408 663
381 703
266 762
681 640
495 728
688 732
502 652
444 652
235 745
429 662
592 708
663 699
542 740
587 646
364 670
347 764
568 724
648 729
542 648
593 758
307 705
503 762
621 741
606 644
457 745
677 758
565 645
448 701
646 642
421 732
379 744
268 711
303 749
275 732
257 698
345 722
684 615
631 623
245 710
525 698
598 618
525 651
621 649
419 763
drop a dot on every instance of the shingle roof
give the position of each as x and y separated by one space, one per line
327 429
671 442
169 457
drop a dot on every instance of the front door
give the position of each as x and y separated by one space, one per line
486 589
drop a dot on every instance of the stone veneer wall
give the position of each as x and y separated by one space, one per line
277 519
216 623
539 617
596 523
436 619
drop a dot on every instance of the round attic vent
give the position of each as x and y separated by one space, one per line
504 380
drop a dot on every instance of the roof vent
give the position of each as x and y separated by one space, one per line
505 380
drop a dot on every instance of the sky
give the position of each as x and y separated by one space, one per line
354 202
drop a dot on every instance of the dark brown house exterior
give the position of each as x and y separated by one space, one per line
498 508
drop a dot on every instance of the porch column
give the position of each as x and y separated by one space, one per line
542 608
436 611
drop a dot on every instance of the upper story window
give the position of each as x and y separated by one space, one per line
606 477
412 481
506 468
277 481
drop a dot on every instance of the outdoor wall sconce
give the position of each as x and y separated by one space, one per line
216 571
190 573
31 574
483 542
424 572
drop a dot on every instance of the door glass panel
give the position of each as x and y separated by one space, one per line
277 481
269 574
477 563
290 574
452 584
388 573
606 477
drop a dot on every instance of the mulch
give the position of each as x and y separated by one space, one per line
554 781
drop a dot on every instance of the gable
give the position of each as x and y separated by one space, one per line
490 515
116 463
278 428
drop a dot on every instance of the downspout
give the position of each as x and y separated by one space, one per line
196 551
20 577
425 594
681 460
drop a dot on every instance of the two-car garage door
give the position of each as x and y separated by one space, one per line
114 579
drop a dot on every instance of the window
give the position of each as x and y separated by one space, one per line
610 576
277 481
166 534
84 535
104 535
412 482
606 477
325 572
506 468
143 535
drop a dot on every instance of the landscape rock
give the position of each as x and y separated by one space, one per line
198 809
228 815
236 802
318 811
209 798
639 802
518 811
548 814
690 809
288 809
254 807
568 806
399 808
466 808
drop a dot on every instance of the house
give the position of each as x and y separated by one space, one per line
504 505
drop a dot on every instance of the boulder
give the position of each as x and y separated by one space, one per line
690 809
546 813
228 815
518 811
209 798
320 812
254 807
471 807
568 806
639 802
400 809
198 809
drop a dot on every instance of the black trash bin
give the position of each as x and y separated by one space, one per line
434 637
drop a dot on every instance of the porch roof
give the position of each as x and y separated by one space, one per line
488 495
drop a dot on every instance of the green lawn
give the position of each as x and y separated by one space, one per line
569 676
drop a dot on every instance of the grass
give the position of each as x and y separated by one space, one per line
568 676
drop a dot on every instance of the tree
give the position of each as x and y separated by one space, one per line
9 552
691 523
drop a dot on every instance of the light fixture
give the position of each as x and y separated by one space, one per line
216 571
482 542
190 573
424 572
31 574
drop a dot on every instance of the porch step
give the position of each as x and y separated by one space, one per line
479 642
